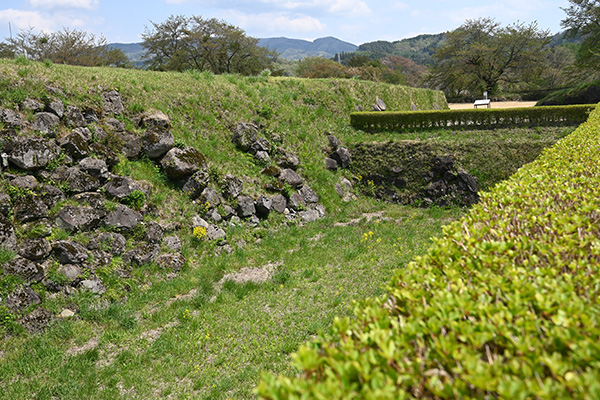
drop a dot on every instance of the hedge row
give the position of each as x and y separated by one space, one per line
471 118
505 305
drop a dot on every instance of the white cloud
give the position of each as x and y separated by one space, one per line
49 4
23 20
400 6
272 23
353 8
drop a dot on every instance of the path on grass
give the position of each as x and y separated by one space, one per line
495 104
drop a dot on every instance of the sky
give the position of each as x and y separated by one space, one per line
354 21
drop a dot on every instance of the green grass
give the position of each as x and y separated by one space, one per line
161 343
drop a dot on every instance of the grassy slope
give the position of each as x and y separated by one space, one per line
504 305
165 339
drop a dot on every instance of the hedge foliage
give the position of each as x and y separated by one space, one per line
483 118
505 305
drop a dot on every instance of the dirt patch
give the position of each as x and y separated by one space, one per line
497 104
75 350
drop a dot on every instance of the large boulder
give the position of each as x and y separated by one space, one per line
30 208
245 135
77 219
122 218
342 156
156 143
45 122
112 242
174 262
155 120
290 177
232 186
263 206
10 118
69 252
76 143
111 103
22 298
35 249
34 153
74 117
37 321
195 184
181 163
95 167
245 207
120 187
25 269
143 254
76 179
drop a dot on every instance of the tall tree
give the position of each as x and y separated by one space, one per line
481 55
182 43
69 46
583 20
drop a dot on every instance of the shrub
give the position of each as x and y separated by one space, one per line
471 119
504 305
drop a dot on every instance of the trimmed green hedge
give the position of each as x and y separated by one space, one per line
505 305
470 118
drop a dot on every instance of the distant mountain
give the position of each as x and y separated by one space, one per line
134 51
296 49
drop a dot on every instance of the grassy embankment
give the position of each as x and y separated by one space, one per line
165 337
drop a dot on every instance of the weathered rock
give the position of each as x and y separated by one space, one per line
342 156
172 243
37 321
245 207
331 164
114 125
69 252
154 232
174 262
213 232
244 135
120 187
211 197
95 167
271 171
28 182
10 118
279 203
66 314
260 144
296 202
76 143
334 142
30 208
35 249
34 153
262 157
288 160
441 165
77 219
290 177
112 242
156 144
110 157
111 103
379 105
93 199
214 215
309 195
22 298
32 105
24 268
8 239
309 215
181 163
196 184
145 253
57 107
70 271
45 122
198 221
232 186
73 117
413 107
344 189
122 218
155 120
132 146
263 206
467 181
90 116
93 285
5 204
76 179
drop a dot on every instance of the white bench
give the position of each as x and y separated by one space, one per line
485 102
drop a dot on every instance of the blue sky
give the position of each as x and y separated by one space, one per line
355 21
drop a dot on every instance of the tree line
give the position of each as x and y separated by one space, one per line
481 55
